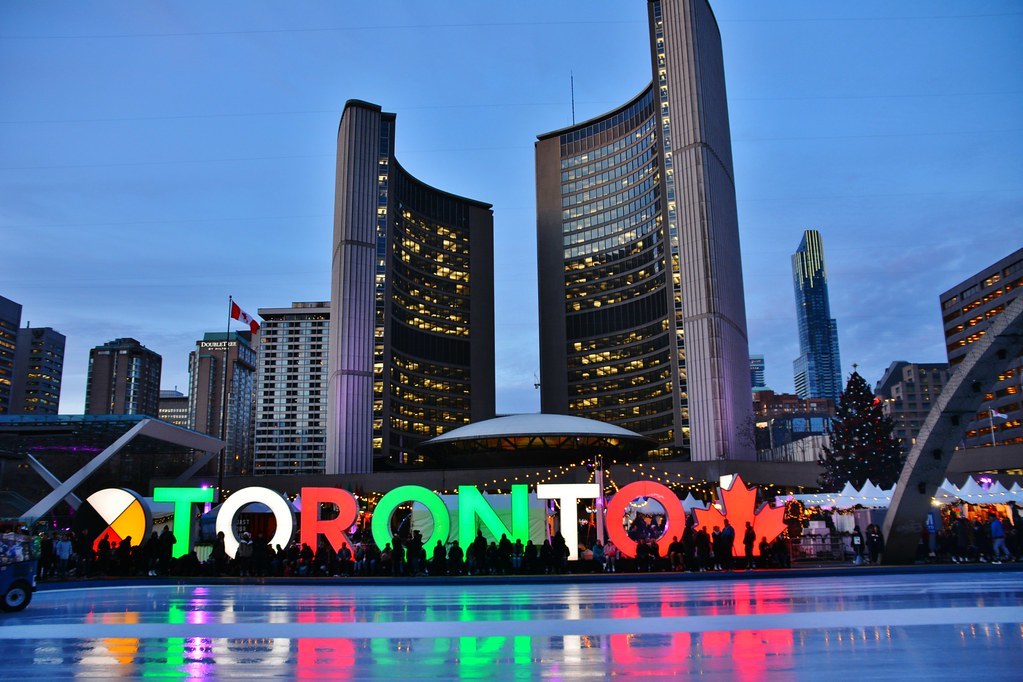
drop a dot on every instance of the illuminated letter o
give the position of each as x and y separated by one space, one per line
381 523
626 494
279 507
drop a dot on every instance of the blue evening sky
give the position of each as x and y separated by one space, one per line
156 157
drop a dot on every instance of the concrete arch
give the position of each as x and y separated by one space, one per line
927 462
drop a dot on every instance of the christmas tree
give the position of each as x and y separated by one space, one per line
862 446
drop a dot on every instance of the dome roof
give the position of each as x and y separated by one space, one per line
536 425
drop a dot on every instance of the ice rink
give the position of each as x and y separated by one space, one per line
860 626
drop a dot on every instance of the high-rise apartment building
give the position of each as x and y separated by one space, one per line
224 359
907 390
174 407
38 369
818 369
124 378
412 303
642 313
757 372
967 310
10 322
291 390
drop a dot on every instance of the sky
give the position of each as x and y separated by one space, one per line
157 157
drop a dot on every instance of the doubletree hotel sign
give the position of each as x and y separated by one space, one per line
117 513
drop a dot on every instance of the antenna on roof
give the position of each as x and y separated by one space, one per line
571 77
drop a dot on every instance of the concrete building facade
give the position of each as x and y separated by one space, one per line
908 389
642 313
174 407
10 322
967 310
38 369
412 304
291 390
123 378
224 359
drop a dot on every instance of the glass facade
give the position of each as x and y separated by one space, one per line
642 312
818 369
412 346
429 325
619 343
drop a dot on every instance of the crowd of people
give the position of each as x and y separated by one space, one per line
66 554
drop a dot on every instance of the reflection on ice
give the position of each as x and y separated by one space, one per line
741 629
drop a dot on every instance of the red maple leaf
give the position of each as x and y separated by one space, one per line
739 504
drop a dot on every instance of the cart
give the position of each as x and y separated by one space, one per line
17 571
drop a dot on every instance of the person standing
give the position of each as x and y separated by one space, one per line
875 543
62 550
727 546
749 538
857 545
167 541
998 548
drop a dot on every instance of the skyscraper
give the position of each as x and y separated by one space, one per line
124 378
757 372
38 368
291 390
220 359
10 321
412 303
642 313
818 369
967 310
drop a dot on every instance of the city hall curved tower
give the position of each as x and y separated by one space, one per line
642 312
412 304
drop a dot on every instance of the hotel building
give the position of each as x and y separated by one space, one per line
412 304
642 313
230 417
291 390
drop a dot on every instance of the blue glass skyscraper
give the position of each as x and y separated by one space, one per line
818 370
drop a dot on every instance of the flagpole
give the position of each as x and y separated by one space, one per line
991 421
223 406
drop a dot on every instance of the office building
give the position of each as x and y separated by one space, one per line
174 407
967 310
642 313
412 304
907 390
123 378
757 372
10 322
818 369
38 368
784 419
291 390
224 359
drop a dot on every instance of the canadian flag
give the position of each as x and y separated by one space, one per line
238 314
